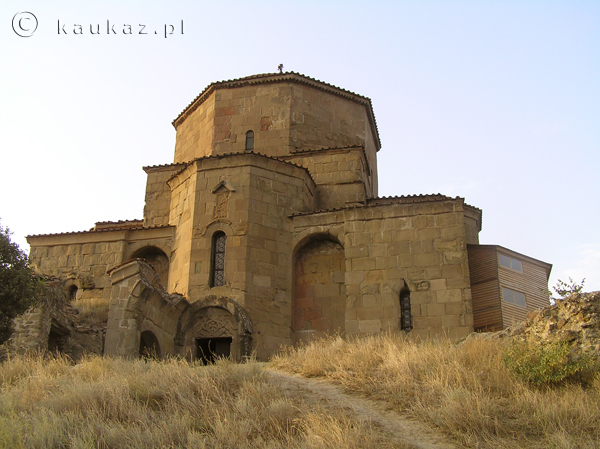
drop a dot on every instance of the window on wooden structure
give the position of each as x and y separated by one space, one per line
513 297
509 262
218 259
406 320
250 141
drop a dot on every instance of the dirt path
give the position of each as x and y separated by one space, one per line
401 430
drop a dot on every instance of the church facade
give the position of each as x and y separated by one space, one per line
267 230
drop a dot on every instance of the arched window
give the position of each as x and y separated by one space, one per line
217 277
406 320
250 141
73 292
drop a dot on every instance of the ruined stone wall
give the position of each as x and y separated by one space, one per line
420 245
54 325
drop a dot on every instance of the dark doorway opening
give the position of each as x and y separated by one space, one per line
149 347
57 338
210 349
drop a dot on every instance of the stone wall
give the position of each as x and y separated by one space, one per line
342 175
286 113
141 307
249 197
158 194
78 260
421 245
54 326
82 259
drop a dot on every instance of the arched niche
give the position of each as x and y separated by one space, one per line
318 296
214 327
158 259
149 346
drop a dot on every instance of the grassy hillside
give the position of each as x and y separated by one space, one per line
109 403
465 391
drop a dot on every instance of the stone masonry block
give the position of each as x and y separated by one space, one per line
369 313
434 309
352 327
363 264
454 308
448 295
437 284
370 325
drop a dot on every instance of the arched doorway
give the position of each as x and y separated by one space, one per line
158 259
214 327
213 334
149 347
318 300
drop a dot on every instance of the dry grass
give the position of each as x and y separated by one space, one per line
92 311
111 403
466 391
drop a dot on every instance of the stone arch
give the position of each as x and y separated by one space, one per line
158 259
335 233
214 318
72 286
149 346
139 304
318 294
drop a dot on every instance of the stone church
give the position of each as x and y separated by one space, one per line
267 230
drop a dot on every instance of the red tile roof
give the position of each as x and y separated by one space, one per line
405 199
241 153
96 231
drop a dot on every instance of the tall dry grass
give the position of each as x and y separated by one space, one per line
466 390
92 311
111 403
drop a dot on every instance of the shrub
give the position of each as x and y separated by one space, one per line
546 363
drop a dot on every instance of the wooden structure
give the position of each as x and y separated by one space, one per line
505 286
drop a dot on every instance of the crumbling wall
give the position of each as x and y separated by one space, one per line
53 326
575 319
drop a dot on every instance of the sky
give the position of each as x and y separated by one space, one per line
497 102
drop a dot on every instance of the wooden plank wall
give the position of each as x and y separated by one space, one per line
533 282
485 291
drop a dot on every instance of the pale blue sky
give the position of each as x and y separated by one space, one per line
497 102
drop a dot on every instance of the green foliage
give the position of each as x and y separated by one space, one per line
564 289
19 287
546 363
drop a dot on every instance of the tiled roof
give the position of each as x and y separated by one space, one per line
313 150
405 199
241 153
96 231
153 167
267 78
121 224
